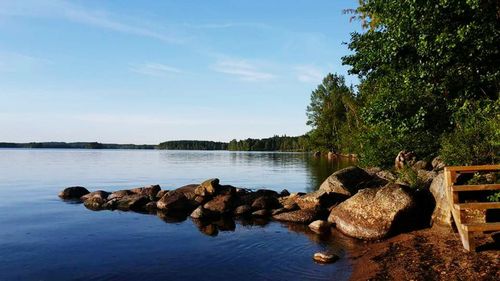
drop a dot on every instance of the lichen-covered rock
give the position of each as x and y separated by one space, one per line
373 212
73 192
320 226
442 212
207 188
316 200
348 181
305 216
438 164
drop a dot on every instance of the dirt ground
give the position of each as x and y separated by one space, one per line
429 254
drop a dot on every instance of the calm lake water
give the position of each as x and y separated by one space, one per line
44 238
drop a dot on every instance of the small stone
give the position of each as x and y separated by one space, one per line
322 257
319 226
73 192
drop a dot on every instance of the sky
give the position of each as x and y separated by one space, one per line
150 71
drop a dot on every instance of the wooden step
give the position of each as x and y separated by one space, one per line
478 205
489 226
473 169
475 187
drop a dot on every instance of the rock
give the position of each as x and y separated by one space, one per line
317 154
300 216
316 200
161 193
202 213
265 202
151 190
320 226
442 212
135 202
207 187
266 192
349 180
94 203
387 175
373 212
119 194
262 213
220 204
188 191
404 158
322 257
284 192
150 207
173 201
426 177
242 210
101 194
438 164
372 171
422 165
73 192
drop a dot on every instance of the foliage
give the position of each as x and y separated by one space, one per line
276 143
332 110
476 137
419 62
410 177
192 145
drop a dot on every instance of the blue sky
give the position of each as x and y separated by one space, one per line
150 71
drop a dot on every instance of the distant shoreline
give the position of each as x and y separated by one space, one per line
276 143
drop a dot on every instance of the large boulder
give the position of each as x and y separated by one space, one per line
373 212
348 181
305 216
442 211
73 192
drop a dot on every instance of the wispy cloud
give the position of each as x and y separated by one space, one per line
78 14
155 69
243 69
17 62
309 74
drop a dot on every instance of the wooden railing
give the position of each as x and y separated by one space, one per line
465 229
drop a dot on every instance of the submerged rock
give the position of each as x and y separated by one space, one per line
73 192
323 257
320 226
373 212
305 216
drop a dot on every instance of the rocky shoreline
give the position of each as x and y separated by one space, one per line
367 204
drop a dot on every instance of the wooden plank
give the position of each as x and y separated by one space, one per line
489 226
473 169
478 205
475 187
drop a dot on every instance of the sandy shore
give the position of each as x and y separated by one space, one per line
429 254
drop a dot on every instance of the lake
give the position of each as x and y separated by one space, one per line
45 238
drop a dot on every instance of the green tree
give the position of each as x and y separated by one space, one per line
419 62
328 112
